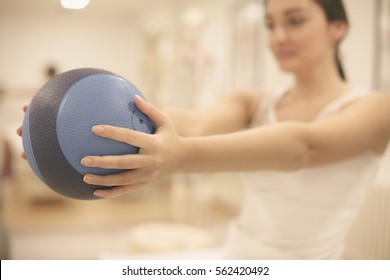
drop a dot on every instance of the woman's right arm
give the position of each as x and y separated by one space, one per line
231 112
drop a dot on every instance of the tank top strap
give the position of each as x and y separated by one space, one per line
264 113
338 104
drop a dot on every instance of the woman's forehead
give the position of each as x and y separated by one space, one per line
291 7
288 6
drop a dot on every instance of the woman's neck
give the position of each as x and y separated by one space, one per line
321 81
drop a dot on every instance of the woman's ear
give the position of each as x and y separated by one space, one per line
338 30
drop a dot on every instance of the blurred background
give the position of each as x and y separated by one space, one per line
178 53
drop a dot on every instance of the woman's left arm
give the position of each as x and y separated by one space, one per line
362 126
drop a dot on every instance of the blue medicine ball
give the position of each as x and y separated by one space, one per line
57 127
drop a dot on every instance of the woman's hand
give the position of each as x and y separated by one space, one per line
19 131
159 154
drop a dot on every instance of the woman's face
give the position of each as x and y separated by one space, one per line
299 34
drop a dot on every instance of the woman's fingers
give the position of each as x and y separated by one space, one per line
119 179
121 134
19 131
154 161
116 162
158 117
117 191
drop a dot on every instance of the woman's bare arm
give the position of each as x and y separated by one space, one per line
363 126
231 112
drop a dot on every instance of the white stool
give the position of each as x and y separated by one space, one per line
165 237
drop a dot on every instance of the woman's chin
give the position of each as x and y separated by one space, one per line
288 65
287 69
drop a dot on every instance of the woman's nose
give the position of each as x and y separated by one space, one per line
279 35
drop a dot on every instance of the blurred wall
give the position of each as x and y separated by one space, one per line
71 39
30 41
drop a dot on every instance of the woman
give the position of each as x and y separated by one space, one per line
308 153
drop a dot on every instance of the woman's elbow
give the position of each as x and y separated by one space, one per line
300 158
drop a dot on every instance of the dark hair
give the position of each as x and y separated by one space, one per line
334 11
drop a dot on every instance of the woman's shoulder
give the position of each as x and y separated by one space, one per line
379 94
367 91
374 95
251 99
363 96
260 100
373 106
380 99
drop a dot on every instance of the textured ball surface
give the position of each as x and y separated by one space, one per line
57 127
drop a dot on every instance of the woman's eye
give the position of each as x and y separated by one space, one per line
269 25
296 21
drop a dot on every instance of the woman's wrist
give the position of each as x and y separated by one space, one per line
183 151
193 155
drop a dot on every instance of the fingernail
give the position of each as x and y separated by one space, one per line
86 161
88 178
98 193
98 129
138 97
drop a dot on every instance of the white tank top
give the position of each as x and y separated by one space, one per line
305 214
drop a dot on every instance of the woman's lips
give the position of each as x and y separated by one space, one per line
285 55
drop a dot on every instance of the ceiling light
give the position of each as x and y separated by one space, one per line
74 4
